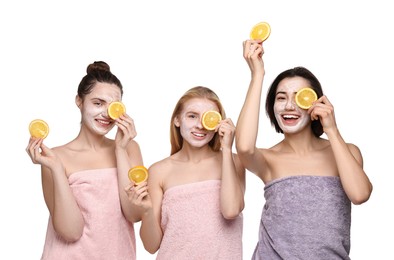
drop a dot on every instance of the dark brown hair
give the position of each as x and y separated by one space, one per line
98 71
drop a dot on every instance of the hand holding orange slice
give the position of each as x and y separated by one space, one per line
260 31
210 119
38 128
116 109
305 97
138 174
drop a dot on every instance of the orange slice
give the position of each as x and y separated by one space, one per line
38 128
305 97
116 109
260 31
138 174
210 119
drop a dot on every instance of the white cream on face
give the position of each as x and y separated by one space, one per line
289 116
189 121
95 105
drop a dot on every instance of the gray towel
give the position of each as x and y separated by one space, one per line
304 217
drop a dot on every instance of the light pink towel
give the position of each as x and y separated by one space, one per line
107 234
194 227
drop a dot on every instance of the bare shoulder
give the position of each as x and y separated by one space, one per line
160 169
356 152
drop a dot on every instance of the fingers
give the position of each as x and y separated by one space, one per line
253 48
126 124
33 148
321 109
136 193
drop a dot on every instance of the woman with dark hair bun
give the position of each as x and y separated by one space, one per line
310 182
83 180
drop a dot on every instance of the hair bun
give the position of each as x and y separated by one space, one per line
98 65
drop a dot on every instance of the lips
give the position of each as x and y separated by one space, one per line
290 117
103 122
200 135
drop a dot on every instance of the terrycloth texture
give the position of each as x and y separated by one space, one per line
106 234
305 217
194 227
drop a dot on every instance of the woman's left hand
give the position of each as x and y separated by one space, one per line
126 131
323 110
226 131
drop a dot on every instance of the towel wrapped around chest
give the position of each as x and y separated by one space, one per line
304 217
194 227
106 233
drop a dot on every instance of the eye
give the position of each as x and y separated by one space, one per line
192 116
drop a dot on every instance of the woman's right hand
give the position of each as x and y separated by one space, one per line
138 195
41 154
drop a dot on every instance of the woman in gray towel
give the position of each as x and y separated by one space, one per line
310 182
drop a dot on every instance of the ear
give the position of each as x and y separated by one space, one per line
78 101
176 122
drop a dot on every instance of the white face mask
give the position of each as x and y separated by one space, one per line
189 122
94 109
290 117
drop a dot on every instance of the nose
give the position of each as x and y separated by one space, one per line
290 104
105 111
199 123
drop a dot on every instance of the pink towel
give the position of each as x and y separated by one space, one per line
194 227
107 234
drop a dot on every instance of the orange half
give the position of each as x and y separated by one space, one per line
116 109
38 128
260 31
138 174
305 97
210 119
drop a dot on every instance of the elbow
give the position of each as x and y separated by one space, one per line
70 237
69 234
151 249
244 149
232 213
362 197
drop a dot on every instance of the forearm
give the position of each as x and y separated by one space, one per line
150 232
248 120
232 187
353 178
123 165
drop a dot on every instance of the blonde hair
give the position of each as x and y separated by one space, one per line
195 92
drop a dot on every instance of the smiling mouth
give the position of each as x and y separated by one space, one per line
199 134
103 122
289 118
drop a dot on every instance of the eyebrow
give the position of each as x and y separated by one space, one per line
99 99
283 92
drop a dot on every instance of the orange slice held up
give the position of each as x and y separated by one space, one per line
260 31
38 128
138 174
116 109
305 97
210 119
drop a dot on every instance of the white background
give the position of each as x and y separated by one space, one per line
159 49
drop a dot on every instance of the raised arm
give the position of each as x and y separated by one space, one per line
248 121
